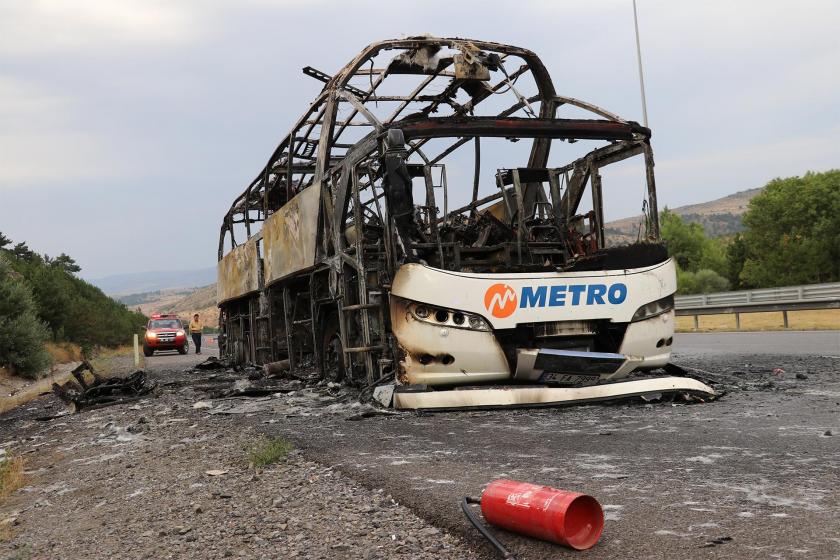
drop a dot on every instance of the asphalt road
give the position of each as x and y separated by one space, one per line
752 475
791 343
754 472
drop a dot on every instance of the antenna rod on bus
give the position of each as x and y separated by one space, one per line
639 57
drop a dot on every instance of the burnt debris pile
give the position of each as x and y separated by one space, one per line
81 394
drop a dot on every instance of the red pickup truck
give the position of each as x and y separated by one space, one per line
165 332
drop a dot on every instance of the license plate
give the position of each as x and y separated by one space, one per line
569 379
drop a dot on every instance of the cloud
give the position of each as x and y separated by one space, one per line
39 143
804 152
34 27
707 174
115 104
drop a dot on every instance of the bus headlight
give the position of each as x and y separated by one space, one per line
654 308
440 316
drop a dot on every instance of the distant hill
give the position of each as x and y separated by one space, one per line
143 282
720 217
183 301
201 301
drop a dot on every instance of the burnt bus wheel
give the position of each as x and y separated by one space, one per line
238 352
332 351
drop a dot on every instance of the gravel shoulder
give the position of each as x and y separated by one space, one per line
130 481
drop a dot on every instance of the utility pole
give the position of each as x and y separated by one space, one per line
639 58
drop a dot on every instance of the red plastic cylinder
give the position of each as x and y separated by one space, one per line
568 518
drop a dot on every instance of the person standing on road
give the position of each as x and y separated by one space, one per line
195 331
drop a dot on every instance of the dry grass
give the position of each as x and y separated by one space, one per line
124 350
103 361
11 476
64 352
824 319
31 391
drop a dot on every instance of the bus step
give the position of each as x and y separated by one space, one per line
363 349
359 306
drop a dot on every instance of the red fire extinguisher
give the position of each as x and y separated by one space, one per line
568 518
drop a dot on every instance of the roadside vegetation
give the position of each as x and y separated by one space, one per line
791 236
43 301
11 476
269 451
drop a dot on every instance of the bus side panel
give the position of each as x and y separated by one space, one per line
238 272
290 235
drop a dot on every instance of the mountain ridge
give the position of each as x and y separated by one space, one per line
144 282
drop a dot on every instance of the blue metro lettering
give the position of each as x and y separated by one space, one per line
617 293
557 296
532 297
596 294
576 290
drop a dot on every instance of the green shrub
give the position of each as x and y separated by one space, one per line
269 451
704 281
22 333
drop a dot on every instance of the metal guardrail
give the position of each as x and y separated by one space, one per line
784 299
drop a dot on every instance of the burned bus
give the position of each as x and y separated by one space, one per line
433 226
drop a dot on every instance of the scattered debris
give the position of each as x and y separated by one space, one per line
716 542
118 434
102 392
49 417
371 413
255 388
274 369
215 472
211 363
384 394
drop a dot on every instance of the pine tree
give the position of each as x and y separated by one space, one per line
22 334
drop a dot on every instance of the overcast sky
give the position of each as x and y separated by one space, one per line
127 127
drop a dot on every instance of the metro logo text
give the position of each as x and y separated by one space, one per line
501 300
560 295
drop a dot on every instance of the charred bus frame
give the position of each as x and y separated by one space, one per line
328 222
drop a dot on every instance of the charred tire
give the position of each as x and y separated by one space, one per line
331 352
148 352
238 352
183 349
